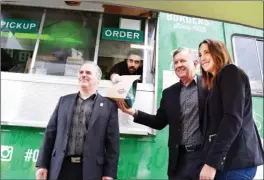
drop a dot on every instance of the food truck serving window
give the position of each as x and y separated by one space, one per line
248 53
123 36
19 28
116 41
57 42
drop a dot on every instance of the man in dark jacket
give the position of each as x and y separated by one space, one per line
81 141
181 108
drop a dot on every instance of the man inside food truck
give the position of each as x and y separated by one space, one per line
133 65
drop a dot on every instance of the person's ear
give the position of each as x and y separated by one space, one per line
141 63
196 63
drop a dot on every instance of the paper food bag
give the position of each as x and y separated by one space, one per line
125 90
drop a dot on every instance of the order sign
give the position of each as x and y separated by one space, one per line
122 35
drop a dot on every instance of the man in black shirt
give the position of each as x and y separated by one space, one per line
131 66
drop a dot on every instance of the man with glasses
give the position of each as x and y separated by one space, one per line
131 66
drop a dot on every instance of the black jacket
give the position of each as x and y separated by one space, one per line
232 140
101 145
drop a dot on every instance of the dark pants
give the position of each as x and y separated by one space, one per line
189 166
71 171
238 174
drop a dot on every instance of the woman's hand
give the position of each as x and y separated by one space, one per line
207 173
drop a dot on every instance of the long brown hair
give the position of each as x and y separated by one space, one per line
220 56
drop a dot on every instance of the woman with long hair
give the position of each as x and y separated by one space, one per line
232 145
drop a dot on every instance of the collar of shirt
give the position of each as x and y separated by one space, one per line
194 80
93 96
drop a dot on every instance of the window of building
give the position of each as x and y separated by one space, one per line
248 53
19 29
68 39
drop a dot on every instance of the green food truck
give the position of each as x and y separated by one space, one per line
43 45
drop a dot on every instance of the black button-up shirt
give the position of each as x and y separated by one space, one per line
80 121
189 104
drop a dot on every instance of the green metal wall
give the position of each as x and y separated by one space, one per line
141 157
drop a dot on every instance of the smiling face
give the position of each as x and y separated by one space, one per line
206 59
87 77
184 66
213 56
